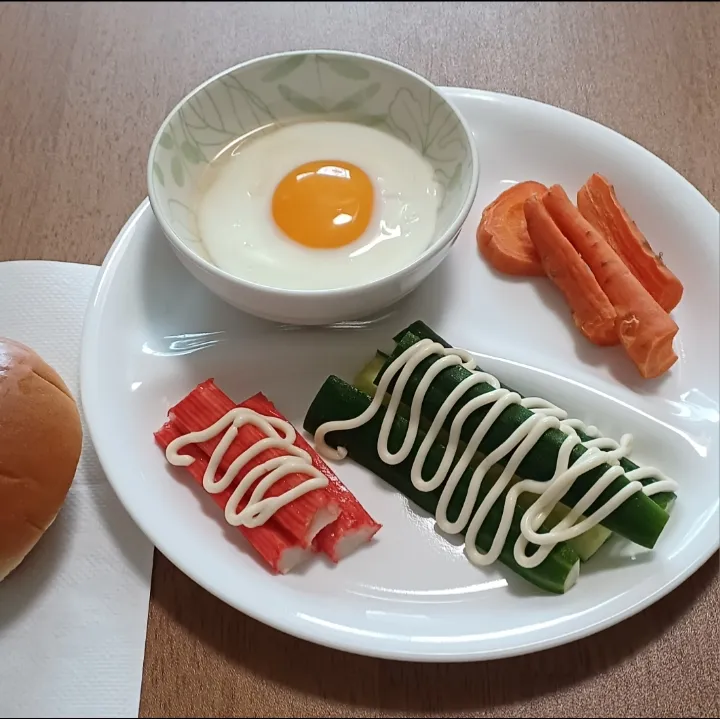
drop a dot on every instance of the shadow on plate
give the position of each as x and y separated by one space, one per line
175 300
614 358
284 664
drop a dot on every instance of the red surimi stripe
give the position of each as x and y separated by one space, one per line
353 516
204 406
269 541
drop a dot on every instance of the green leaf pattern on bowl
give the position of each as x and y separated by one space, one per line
310 86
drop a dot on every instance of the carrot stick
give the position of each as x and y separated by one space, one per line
502 235
599 205
645 329
592 312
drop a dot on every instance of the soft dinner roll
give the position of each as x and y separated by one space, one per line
40 443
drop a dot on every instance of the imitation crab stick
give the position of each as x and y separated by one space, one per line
276 547
354 527
644 327
599 205
306 515
592 311
502 234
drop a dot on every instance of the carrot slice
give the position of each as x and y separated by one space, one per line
592 312
502 235
599 205
645 329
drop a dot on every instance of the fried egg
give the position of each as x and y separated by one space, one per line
317 205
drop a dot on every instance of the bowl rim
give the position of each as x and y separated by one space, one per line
440 243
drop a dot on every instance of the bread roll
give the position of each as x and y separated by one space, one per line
40 444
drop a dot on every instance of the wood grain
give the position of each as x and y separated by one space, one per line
83 87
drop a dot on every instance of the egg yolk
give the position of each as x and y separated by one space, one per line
323 204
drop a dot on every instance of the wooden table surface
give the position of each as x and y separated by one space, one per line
83 87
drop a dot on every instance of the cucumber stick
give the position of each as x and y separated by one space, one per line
365 378
585 545
639 519
337 400
421 330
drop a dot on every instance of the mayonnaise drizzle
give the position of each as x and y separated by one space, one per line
601 450
279 434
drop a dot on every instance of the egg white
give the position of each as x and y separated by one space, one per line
241 237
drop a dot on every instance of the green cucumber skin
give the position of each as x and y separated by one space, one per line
586 545
639 519
337 400
421 330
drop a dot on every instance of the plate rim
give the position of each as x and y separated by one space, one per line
287 622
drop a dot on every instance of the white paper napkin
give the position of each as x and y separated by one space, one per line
72 616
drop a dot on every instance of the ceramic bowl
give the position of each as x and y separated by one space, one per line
291 87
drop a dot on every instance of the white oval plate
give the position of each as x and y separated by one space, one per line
152 333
